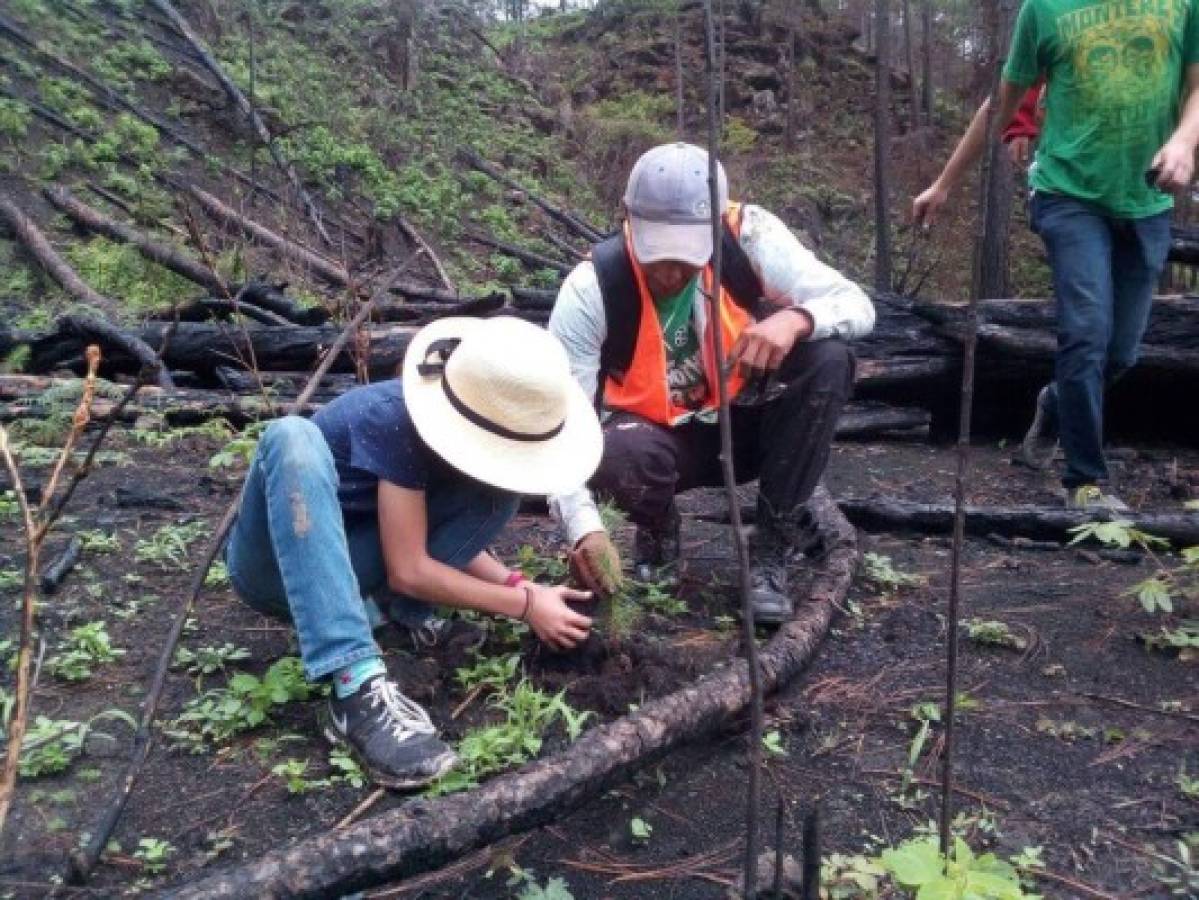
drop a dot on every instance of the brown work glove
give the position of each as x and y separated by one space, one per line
595 564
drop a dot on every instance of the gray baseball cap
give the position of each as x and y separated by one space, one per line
669 204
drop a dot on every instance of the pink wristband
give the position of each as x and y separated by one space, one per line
514 578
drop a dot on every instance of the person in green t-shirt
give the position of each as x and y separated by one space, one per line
1119 138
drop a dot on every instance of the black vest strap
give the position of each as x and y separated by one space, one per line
622 302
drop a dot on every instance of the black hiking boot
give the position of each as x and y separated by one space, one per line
776 541
657 547
388 735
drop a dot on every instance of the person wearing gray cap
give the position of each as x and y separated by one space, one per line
635 322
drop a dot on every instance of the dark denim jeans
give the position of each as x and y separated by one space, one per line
1104 273
292 555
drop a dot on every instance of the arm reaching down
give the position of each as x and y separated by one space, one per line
403 531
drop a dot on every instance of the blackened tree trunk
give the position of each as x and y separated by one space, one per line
1000 186
926 52
793 13
882 143
678 75
907 39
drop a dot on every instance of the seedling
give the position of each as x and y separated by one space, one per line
528 715
1065 730
488 671
218 575
346 769
1184 640
772 743
240 450
881 572
292 771
86 646
641 830
1181 876
95 541
209 660
1188 786
919 866
247 702
537 566
51 746
994 634
153 853
168 546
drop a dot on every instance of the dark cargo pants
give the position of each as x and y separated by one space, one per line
785 441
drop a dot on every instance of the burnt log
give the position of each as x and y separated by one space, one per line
1184 245
1034 522
324 268
56 572
201 51
200 347
563 217
526 256
875 420
207 308
424 834
82 326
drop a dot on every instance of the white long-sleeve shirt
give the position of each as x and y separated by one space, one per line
790 274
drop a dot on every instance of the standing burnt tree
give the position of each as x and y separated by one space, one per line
996 243
882 143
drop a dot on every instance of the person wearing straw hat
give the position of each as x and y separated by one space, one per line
635 320
398 488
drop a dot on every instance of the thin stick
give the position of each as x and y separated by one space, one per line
354 814
84 860
726 462
1116 701
961 481
1070 883
37 525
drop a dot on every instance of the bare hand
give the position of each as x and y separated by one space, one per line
1020 150
763 346
553 621
1175 166
927 206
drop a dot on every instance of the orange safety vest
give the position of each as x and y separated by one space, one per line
644 390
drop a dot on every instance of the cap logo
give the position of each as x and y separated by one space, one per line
702 208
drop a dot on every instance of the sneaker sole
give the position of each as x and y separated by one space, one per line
1037 452
444 764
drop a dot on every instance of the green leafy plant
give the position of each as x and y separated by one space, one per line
96 541
345 768
919 866
153 853
1119 533
169 545
240 450
845 877
494 672
50 745
292 771
772 743
1188 786
245 703
14 118
218 575
1184 640
994 634
209 660
1181 876
528 715
86 646
537 566
640 830
880 571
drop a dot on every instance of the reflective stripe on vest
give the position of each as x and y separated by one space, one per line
644 390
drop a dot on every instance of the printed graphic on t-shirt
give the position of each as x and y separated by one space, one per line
684 363
1120 52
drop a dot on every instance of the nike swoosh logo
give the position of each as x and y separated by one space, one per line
339 723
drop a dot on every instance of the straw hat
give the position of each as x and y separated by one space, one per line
495 398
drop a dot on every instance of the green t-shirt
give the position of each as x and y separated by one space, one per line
684 364
1115 70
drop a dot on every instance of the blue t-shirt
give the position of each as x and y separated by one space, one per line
372 438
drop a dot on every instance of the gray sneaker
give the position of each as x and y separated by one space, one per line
1040 443
439 634
388 735
1090 496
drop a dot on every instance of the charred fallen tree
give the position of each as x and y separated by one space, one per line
424 834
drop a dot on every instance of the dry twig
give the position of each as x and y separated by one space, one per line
37 524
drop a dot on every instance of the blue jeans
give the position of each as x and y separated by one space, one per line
1104 273
292 555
